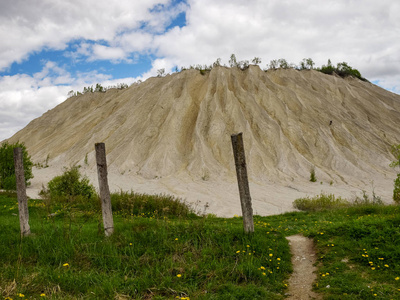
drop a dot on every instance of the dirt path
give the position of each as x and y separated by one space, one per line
303 259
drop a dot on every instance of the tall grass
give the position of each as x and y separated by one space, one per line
68 257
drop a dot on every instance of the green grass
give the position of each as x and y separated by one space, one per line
358 250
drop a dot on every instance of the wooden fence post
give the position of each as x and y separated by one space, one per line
243 182
104 189
21 193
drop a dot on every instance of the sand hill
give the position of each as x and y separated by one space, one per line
172 135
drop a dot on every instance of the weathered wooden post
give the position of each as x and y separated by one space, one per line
21 193
104 189
243 182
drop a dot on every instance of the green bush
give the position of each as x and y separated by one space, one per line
396 190
320 202
313 178
7 169
136 204
342 69
69 186
396 163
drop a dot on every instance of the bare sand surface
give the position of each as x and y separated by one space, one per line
220 196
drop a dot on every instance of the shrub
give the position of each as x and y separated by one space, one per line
396 190
365 200
7 169
136 204
396 163
313 178
69 186
320 202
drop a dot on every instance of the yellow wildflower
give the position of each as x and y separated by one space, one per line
179 275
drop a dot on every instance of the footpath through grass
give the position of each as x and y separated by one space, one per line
157 256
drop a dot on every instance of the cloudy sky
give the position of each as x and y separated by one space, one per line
49 47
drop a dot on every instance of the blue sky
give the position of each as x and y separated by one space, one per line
51 47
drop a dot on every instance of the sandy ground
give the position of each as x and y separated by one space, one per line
220 196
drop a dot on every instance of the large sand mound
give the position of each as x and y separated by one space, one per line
172 135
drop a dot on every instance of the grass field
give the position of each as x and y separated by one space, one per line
157 254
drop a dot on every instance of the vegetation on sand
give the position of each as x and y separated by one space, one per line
394 164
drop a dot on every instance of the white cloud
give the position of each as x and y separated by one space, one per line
24 98
28 26
101 52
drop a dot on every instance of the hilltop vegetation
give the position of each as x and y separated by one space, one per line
342 69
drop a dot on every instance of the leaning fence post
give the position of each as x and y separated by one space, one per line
104 189
243 182
21 193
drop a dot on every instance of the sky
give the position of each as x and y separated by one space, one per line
50 47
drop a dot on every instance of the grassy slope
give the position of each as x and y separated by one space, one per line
201 258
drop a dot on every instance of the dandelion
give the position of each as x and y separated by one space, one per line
179 275
248 246
397 278
238 251
66 265
130 244
278 258
21 295
373 268
387 266
42 295
271 255
262 268
264 274
176 239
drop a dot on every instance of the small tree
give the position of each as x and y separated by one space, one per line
256 61
69 186
283 63
233 61
396 163
310 63
99 88
273 64
161 72
217 63
7 169
313 178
